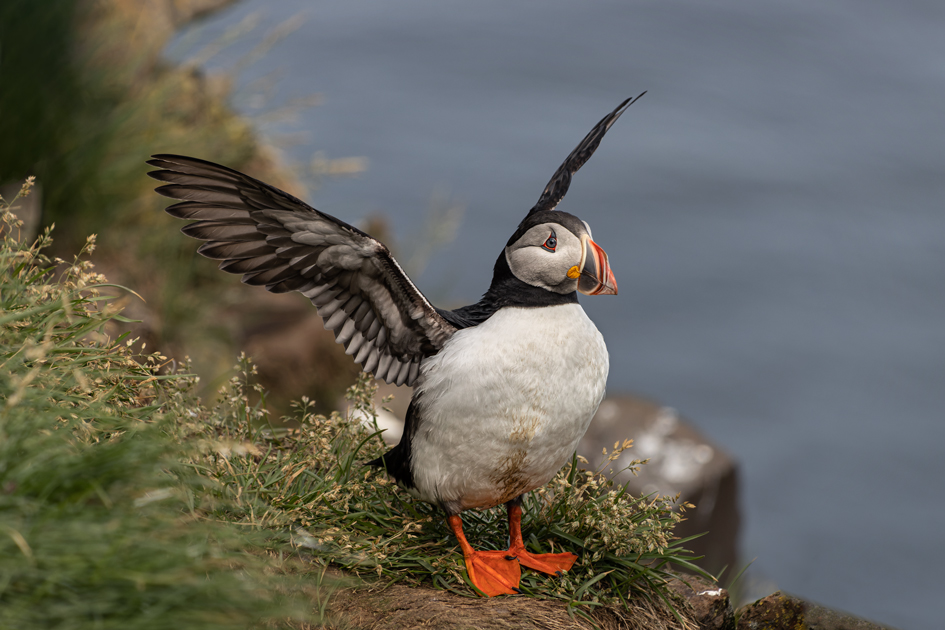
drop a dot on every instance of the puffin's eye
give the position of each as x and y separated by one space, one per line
551 242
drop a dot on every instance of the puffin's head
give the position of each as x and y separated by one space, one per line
553 250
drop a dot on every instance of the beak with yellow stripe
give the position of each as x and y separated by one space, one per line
595 276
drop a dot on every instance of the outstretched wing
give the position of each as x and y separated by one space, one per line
561 180
279 242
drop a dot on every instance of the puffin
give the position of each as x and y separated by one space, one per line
503 389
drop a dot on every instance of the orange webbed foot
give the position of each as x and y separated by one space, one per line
500 572
550 563
493 573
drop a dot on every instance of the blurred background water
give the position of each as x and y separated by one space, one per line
773 211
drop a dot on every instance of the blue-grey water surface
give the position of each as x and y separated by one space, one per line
772 208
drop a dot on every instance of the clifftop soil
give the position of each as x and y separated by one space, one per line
402 608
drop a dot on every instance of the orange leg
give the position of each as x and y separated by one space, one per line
551 563
493 572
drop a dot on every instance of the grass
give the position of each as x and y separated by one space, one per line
102 523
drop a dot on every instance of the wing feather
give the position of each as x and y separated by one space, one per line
277 241
371 361
355 344
197 210
561 180
223 231
226 251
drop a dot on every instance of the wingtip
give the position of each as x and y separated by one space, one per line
627 103
165 161
159 159
161 174
162 160
558 186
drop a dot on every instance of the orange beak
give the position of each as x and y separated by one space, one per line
596 276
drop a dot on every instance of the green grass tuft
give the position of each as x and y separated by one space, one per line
101 523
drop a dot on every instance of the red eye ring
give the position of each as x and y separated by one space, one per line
551 242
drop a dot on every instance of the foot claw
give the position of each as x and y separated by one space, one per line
511 557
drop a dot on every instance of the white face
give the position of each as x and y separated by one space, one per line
544 255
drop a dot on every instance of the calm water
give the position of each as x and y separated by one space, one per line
773 211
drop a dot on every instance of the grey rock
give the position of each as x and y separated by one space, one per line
780 611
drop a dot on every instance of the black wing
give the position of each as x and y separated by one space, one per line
279 242
561 180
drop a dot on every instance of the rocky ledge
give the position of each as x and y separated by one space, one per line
779 610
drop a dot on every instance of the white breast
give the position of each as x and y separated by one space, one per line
504 404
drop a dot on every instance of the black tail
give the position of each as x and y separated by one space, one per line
397 461
396 464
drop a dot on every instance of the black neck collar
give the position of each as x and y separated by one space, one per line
505 290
